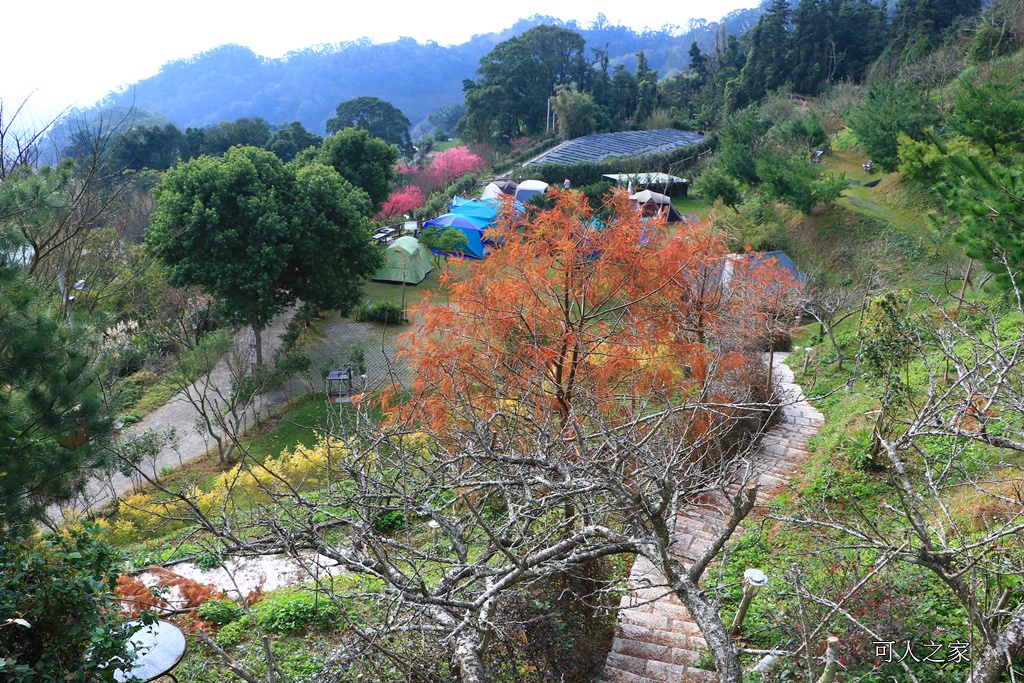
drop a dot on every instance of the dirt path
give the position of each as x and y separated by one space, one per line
656 639
180 415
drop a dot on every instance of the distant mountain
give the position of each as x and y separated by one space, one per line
232 81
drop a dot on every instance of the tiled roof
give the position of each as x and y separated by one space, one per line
626 144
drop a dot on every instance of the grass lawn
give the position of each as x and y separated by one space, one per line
693 204
299 422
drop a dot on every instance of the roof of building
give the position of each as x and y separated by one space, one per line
645 179
625 144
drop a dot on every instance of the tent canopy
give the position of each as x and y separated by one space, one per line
498 188
407 261
473 232
483 212
528 188
656 204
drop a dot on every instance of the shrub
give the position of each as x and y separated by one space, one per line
387 312
41 584
291 610
388 522
232 634
220 612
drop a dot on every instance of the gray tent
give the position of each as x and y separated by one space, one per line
407 261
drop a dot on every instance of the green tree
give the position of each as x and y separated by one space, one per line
646 89
446 119
623 94
155 147
991 112
791 179
769 64
919 24
717 184
443 240
516 79
365 161
222 136
378 118
59 619
990 198
51 408
576 112
260 235
743 135
888 110
287 141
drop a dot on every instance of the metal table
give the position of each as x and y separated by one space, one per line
159 647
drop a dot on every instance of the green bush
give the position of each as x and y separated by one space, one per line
388 522
234 633
220 612
291 610
387 312
41 584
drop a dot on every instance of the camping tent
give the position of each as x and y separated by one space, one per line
528 188
482 212
407 261
654 203
499 188
473 232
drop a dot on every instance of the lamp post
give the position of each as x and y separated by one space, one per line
753 581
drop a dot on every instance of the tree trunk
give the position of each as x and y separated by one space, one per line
467 656
995 660
257 343
727 661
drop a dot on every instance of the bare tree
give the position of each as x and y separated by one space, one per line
452 526
830 305
928 446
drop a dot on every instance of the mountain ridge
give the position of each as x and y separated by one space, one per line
306 85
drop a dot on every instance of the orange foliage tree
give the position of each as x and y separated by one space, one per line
568 307
585 382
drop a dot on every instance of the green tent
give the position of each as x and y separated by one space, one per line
407 261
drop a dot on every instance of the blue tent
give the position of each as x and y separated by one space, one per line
482 212
473 232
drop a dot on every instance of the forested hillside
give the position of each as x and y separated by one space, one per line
232 81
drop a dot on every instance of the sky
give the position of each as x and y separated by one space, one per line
70 53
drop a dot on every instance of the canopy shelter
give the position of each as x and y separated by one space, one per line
473 232
672 185
529 188
757 258
407 261
483 212
656 204
498 188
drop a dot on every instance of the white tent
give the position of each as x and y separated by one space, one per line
528 188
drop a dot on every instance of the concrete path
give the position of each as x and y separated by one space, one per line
656 639
181 415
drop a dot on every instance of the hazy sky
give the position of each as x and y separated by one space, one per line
71 53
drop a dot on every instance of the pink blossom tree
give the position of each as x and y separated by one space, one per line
453 163
400 202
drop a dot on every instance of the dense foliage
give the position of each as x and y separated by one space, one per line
59 620
260 234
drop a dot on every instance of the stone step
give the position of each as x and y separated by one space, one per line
656 639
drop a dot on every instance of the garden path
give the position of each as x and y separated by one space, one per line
656 639
180 415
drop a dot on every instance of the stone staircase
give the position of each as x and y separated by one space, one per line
656 640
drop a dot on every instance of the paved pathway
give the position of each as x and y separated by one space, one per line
180 414
656 639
